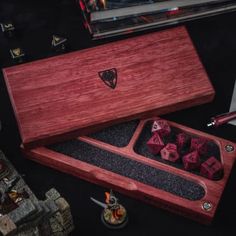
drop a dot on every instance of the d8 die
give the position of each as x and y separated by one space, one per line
155 144
191 161
199 144
211 168
182 140
161 127
169 153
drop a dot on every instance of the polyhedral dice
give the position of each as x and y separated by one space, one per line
199 144
155 144
7 28
191 160
161 127
182 140
170 153
211 168
59 43
17 54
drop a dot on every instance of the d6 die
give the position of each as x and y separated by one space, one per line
169 153
161 127
211 168
182 140
191 161
199 144
155 144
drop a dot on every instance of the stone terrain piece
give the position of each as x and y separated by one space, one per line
52 194
31 216
7 226
22 212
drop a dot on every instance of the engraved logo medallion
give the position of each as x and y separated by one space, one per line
109 77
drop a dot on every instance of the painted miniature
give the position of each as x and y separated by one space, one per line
114 215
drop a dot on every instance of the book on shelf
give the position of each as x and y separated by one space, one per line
111 18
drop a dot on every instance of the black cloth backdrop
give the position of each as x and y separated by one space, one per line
215 41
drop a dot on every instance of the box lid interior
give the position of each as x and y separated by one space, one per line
69 95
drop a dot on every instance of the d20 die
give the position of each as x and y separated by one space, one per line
212 168
155 144
170 153
199 144
182 141
191 161
161 127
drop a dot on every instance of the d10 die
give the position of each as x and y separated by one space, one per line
169 153
211 168
199 144
182 140
161 127
155 144
191 161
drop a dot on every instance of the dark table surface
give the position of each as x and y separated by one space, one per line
215 41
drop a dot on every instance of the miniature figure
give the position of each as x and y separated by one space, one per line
114 215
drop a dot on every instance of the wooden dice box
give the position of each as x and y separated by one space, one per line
72 95
162 183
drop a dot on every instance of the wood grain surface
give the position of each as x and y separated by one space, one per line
63 97
160 198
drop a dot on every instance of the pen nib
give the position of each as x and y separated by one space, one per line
211 124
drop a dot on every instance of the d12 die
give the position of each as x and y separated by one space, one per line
191 161
200 145
182 140
212 168
155 144
161 127
170 153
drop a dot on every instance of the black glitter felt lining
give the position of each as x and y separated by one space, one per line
117 135
129 168
142 149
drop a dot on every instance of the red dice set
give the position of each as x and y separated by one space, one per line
182 140
161 127
169 152
191 161
200 145
211 168
191 150
155 144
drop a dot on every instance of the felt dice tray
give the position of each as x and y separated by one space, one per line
62 97
117 158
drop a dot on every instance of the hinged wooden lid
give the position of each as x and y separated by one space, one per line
73 94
